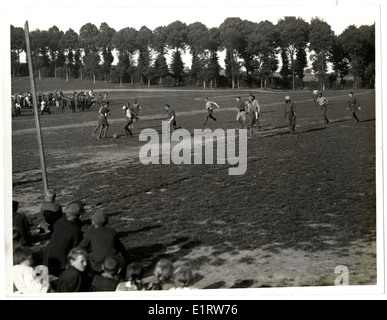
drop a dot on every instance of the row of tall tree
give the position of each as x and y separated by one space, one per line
254 51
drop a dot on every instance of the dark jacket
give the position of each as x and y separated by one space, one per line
72 280
66 235
101 243
51 212
101 283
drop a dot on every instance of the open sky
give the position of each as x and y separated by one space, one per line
119 14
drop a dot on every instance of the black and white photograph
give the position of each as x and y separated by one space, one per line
192 150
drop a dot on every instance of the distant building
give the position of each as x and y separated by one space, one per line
186 70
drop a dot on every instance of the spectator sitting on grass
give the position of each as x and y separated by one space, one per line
101 242
21 226
182 277
163 273
134 275
74 278
50 210
24 276
66 235
107 281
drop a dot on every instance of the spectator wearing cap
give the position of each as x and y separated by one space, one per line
290 113
101 242
67 234
50 210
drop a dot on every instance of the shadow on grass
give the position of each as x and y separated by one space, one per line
367 120
196 278
19 183
147 228
215 285
150 255
312 130
288 133
243 284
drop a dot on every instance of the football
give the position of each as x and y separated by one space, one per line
115 135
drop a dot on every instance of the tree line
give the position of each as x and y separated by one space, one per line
254 52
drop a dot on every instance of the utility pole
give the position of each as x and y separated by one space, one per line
35 106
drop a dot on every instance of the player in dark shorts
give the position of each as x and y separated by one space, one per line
171 116
104 112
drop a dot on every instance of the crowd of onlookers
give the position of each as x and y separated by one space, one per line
81 255
77 101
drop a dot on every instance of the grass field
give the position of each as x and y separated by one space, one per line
306 204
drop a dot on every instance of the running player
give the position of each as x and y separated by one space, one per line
210 110
103 113
129 120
